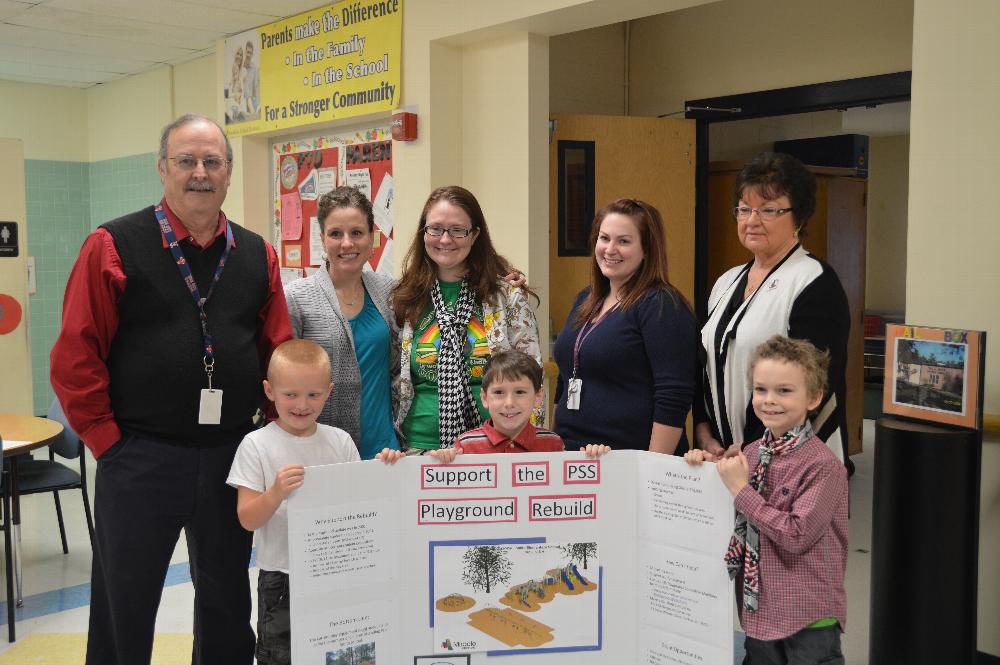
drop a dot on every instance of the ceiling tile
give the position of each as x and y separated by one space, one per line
66 22
43 81
32 55
88 77
287 7
10 8
169 13
21 36
82 42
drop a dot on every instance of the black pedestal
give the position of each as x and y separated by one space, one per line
925 545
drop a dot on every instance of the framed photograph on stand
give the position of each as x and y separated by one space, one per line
935 374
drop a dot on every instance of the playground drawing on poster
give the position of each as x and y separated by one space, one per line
516 596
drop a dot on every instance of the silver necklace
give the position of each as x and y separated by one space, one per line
353 300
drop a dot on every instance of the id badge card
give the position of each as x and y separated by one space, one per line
210 408
573 389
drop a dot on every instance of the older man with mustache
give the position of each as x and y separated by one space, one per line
169 318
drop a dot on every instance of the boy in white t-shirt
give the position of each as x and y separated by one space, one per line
269 464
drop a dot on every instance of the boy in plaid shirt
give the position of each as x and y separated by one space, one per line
788 553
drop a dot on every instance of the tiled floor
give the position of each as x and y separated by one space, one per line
56 585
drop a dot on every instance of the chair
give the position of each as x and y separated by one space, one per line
38 476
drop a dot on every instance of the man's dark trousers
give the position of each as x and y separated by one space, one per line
146 492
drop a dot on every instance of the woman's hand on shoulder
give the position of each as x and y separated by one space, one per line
515 278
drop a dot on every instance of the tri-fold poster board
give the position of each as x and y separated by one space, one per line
530 558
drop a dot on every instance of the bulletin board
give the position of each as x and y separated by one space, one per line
304 169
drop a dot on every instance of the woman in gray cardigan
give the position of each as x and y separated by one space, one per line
345 309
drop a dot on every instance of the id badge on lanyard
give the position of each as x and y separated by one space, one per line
210 403
574 387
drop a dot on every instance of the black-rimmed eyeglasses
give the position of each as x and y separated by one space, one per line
454 232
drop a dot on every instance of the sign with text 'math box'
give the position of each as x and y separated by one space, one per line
337 61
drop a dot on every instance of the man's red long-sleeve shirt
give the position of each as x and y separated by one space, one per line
78 361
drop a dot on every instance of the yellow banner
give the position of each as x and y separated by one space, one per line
332 62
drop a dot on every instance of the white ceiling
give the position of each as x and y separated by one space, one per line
80 43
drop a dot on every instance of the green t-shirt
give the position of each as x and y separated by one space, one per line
421 423
824 623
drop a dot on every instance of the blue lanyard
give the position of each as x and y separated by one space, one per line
185 269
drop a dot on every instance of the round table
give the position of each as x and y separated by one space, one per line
21 434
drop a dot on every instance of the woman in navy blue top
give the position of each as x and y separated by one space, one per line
626 354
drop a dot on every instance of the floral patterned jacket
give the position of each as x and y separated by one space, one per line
510 324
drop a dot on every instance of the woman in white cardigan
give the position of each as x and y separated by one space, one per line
784 290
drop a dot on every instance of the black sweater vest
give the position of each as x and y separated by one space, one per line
155 360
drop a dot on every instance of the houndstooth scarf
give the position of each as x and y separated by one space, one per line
457 409
744 546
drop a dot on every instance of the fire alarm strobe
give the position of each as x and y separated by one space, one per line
404 126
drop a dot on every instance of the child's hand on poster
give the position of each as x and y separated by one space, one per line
696 456
735 472
390 456
595 450
445 455
288 478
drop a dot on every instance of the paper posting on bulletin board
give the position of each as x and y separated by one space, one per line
309 168
291 216
315 242
361 180
531 557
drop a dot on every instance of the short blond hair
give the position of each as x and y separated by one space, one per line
299 352
814 363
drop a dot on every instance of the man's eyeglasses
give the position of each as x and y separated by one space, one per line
742 213
190 163
454 232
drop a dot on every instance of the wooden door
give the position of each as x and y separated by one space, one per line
642 158
846 214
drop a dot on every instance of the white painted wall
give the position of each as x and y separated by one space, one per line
953 242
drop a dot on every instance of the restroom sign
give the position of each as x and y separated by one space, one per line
8 239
